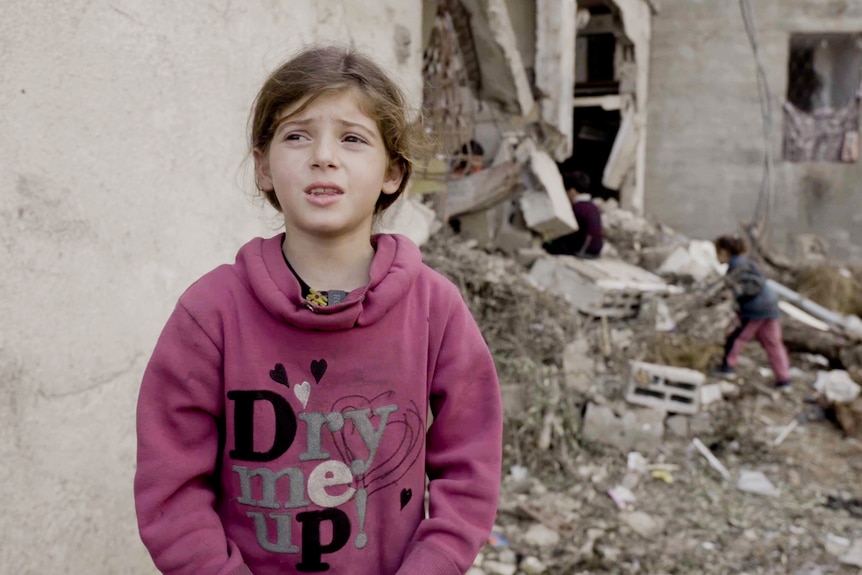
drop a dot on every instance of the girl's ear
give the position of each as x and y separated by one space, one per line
393 177
262 175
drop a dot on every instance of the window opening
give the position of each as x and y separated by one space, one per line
821 114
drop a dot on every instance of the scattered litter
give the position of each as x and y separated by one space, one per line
785 432
622 496
519 473
713 461
636 462
663 474
756 482
853 506
497 540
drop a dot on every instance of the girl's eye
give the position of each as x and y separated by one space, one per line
293 136
354 139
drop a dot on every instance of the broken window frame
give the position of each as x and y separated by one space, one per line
821 124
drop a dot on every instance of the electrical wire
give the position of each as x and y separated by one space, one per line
766 196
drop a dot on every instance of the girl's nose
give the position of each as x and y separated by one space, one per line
324 152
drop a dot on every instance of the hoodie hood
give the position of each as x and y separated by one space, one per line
396 264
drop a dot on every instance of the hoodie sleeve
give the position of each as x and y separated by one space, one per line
178 421
463 452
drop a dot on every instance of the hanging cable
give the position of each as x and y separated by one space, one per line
758 226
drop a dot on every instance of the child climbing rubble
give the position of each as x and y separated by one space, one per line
756 310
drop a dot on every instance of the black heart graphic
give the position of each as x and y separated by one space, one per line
279 375
406 496
318 368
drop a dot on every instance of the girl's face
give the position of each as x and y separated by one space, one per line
327 166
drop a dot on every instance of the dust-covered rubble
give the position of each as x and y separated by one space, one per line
596 484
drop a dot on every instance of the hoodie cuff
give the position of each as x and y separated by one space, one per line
426 559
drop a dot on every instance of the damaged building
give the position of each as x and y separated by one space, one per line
705 148
712 117
532 89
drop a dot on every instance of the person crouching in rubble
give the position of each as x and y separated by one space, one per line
756 308
587 241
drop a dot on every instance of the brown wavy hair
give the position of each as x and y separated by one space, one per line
734 245
319 70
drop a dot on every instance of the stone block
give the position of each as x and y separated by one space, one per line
547 210
666 388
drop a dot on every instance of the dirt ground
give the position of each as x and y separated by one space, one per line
556 514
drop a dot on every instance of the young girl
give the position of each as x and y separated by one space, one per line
283 418
757 311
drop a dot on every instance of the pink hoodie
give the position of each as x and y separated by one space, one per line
278 437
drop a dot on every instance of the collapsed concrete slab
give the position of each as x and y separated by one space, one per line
479 190
555 70
600 287
624 151
546 209
503 78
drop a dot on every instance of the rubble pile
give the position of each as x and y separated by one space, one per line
623 454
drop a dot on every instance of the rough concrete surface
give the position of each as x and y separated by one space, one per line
123 179
705 142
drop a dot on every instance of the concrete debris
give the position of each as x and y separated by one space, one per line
669 389
696 260
600 287
499 568
541 536
571 385
636 429
757 483
555 70
836 545
622 496
480 190
836 386
711 393
642 523
531 565
853 556
546 207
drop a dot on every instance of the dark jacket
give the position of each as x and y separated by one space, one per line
754 298
587 240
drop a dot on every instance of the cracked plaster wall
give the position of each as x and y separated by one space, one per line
705 144
123 179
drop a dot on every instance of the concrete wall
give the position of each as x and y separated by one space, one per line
705 142
122 180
